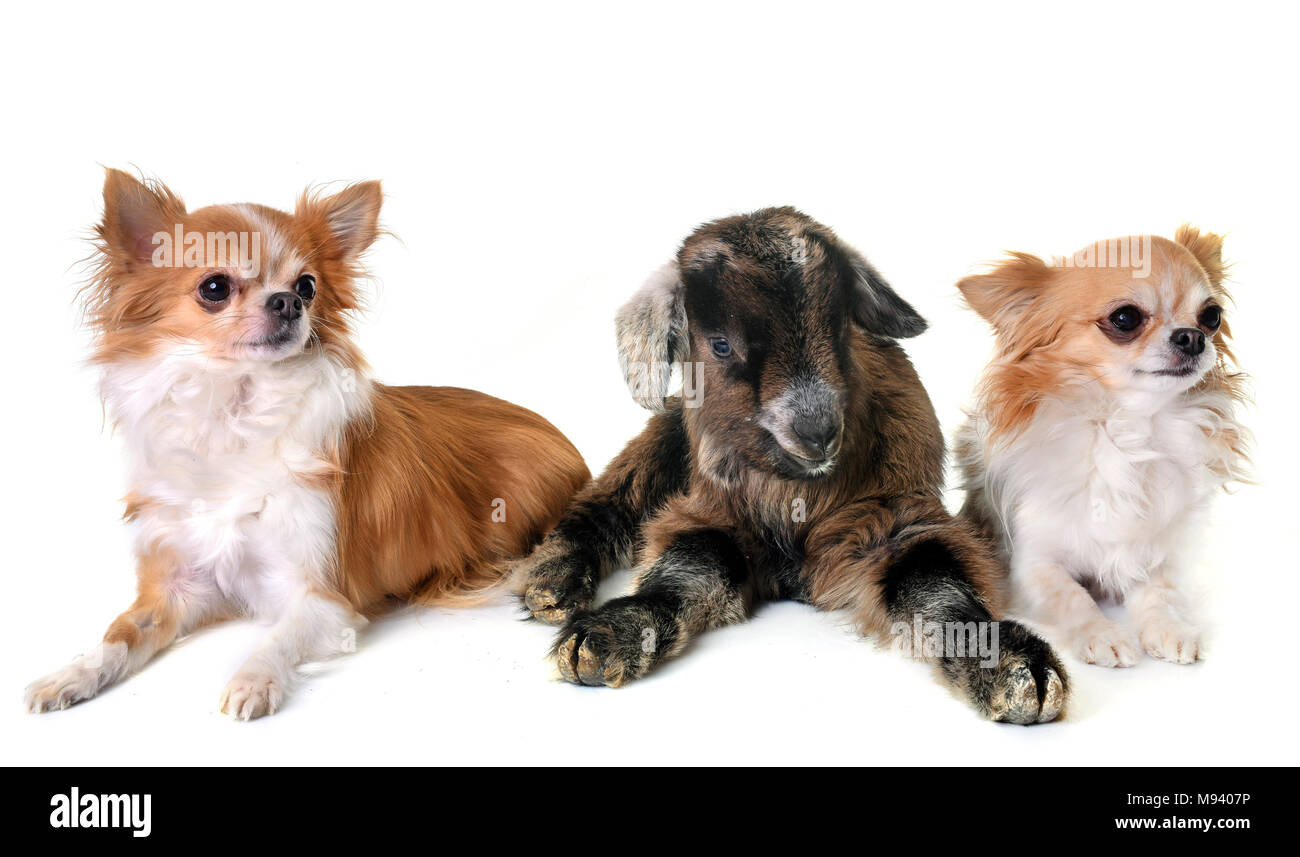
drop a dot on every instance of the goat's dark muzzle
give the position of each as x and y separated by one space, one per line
807 422
819 432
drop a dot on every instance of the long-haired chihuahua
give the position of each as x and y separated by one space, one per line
1102 428
269 475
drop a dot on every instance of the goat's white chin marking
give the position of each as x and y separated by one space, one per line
821 469
809 467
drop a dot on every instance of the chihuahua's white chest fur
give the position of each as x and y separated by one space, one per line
1107 491
221 457
1110 493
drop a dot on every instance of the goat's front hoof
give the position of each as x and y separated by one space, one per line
587 657
1028 685
607 648
1025 693
549 603
555 582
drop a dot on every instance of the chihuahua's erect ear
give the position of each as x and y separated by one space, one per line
1208 250
877 308
350 217
652 336
134 212
1004 293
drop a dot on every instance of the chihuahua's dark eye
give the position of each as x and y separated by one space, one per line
1126 319
215 289
721 347
305 287
1211 318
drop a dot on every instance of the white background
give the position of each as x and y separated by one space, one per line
539 161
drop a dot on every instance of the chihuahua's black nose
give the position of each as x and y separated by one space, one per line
817 431
1188 340
286 305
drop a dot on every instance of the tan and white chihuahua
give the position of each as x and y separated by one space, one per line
1101 430
270 476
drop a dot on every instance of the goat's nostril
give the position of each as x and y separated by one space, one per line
818 432
1188 340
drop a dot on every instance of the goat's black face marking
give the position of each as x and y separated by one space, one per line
698 499
780 302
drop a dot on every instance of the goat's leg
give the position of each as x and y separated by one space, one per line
701 580
915 575
600 530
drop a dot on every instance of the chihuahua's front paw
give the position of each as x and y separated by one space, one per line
58 690
1168 639
79 680
1106 644
251 694
556 582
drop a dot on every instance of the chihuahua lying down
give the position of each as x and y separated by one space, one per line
270 475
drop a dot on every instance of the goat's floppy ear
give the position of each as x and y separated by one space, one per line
651 330
350 218
1003 294
134 212
1207 248
877 308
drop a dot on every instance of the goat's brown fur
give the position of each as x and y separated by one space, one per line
809 466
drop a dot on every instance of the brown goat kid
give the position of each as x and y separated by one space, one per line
803 461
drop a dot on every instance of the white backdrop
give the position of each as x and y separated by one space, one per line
539 161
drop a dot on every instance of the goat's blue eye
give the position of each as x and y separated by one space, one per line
721 347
